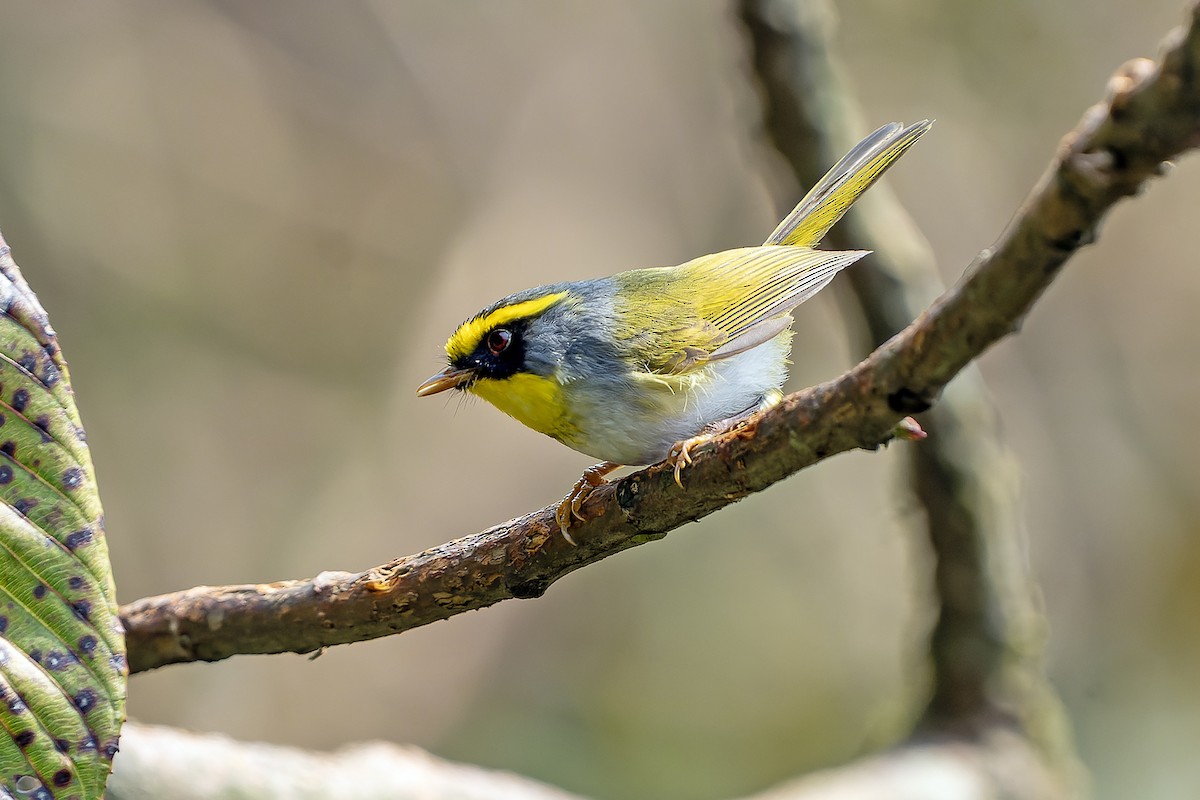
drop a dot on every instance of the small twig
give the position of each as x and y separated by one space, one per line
1152 114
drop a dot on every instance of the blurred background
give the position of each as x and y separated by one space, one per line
254 225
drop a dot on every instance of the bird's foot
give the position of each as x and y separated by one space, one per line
570 507
680 454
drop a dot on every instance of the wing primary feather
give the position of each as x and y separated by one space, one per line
794 274
808 272
752 337
829 199
751 291
811 283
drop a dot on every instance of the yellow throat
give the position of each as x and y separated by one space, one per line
530 399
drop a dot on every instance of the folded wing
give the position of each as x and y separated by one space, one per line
733 301
676 319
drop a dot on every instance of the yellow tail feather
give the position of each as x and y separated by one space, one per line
829 199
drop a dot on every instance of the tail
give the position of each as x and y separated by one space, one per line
828 200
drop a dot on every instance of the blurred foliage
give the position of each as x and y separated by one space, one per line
255 224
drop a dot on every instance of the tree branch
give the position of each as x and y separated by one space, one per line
1152 114
985 647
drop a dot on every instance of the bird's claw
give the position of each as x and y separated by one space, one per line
680 455
563 517
571 506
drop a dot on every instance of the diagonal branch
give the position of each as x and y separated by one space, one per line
984 649
1152 114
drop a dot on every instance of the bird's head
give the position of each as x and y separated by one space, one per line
511 355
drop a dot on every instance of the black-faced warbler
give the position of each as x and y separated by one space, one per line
647 364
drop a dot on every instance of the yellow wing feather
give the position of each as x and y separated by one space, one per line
676 319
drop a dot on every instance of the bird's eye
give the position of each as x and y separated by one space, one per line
498 341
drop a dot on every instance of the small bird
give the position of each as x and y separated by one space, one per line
649 364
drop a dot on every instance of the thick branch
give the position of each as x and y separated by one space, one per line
1151 115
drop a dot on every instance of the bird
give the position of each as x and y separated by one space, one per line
648 364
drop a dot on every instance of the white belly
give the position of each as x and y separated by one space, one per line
637 423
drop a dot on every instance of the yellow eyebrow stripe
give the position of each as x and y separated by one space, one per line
467 337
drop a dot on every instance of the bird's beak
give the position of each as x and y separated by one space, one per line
449 378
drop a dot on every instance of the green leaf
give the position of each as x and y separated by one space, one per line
62 650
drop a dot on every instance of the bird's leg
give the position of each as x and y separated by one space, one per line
681 452
569 507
